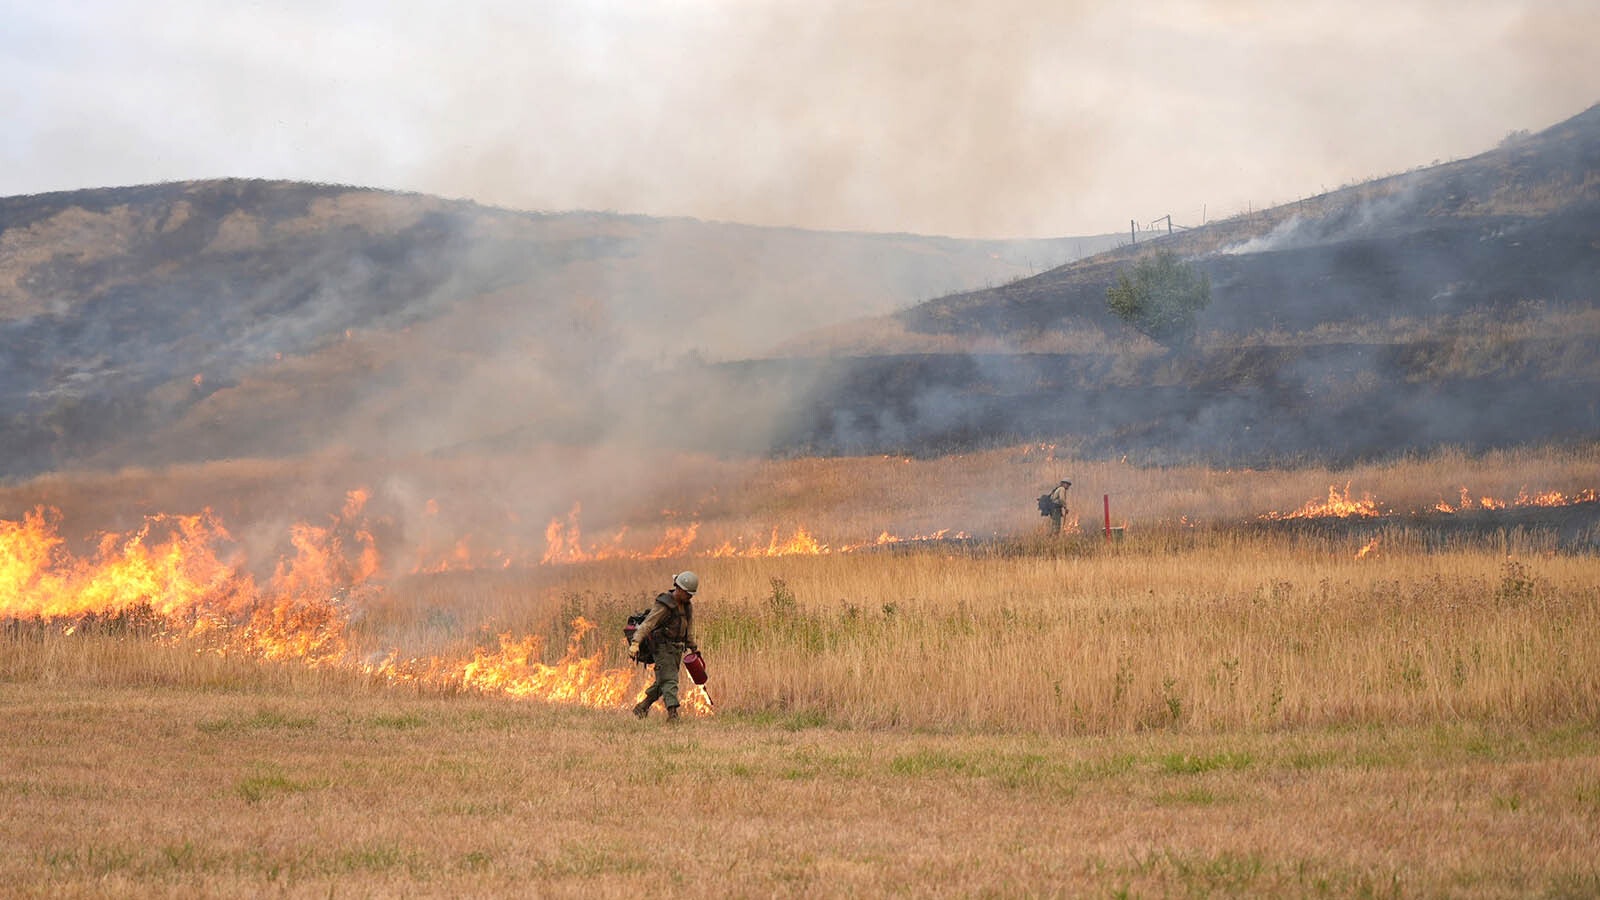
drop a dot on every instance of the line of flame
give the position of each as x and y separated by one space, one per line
170 578
1340 505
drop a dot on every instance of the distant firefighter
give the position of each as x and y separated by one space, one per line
666 632
1054 505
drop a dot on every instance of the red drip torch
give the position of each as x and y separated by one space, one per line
696 664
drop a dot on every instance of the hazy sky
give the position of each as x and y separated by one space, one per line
994 118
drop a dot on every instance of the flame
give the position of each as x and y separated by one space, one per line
564 543
885 539
458 559
177 575
1341 506
172 571
167 566
1365 551
1338 505
515 670
800 544
1523 499
1038 452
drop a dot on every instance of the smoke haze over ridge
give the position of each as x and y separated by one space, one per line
999 119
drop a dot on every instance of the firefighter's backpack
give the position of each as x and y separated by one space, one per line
647 649
1046 505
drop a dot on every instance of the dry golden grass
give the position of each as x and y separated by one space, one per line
306 790
842 501
1190 633
1216 708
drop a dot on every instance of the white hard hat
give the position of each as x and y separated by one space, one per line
688 581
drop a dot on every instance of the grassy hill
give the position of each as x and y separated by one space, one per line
217 319
1450 305
1453 305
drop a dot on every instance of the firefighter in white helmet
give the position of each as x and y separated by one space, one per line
669 629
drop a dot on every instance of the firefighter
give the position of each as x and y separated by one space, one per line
1058 505
671 622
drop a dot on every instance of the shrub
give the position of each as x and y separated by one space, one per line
1161 297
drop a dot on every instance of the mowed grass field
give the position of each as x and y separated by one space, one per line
1194 710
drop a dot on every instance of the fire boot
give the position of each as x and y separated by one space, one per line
641 709
672 714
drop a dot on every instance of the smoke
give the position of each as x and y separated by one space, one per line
464 336
944 117
1362 217
479 372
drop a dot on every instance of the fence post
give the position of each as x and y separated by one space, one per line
1107 498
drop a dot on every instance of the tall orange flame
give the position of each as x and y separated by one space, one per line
1337 505
170 570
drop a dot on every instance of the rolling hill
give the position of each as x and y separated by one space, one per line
1457 304
207 320
1454 304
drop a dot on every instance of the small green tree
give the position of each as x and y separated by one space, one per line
1161 297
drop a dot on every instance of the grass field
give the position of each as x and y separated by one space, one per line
1201 708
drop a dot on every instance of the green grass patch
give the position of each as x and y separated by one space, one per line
188 858
931 762
582 860
264 718
1196 796
1574 885
805 719
371 858
1508 803
267 784
1226 872
1577 739
1203 875
91 860
1195 764
806 764
655 771
1105 767
476 861
1588 796
1311 760
798 720
475 809
398 721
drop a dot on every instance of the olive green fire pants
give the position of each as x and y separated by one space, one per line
668 659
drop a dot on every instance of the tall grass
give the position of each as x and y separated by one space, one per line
1178 632
1189 624
509 500
1237 634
